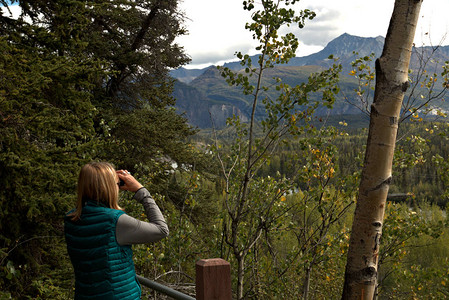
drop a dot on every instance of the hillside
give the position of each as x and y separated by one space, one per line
204 95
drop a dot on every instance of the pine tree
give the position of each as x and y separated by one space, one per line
80 81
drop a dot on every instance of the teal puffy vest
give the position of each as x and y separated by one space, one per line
103 268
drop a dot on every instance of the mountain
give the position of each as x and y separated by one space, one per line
431 58
203 108
186 75
203 95
342 47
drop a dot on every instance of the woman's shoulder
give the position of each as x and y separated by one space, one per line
95 211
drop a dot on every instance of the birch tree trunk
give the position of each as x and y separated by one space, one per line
391 84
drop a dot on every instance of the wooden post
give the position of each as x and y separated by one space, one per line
213 279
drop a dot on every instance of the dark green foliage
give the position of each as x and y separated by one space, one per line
79 81
46 133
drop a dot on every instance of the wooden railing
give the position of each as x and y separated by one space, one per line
213 281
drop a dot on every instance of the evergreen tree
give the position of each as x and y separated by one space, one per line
80 81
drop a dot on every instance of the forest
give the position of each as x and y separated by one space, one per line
275 196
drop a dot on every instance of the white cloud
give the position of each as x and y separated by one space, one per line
433 25
14 11
217 26
216 30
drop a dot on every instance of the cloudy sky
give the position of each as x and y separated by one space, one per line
216 27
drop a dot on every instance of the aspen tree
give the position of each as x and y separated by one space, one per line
391 85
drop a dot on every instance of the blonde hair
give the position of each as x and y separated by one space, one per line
97 181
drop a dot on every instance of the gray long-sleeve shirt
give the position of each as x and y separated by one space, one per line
132 231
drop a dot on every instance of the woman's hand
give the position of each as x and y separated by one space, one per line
131 184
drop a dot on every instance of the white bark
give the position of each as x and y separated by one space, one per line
391 84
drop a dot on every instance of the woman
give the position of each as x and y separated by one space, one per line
99 234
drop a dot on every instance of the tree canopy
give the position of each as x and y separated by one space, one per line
80 81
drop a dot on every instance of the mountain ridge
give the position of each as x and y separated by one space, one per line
365 46
203 95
